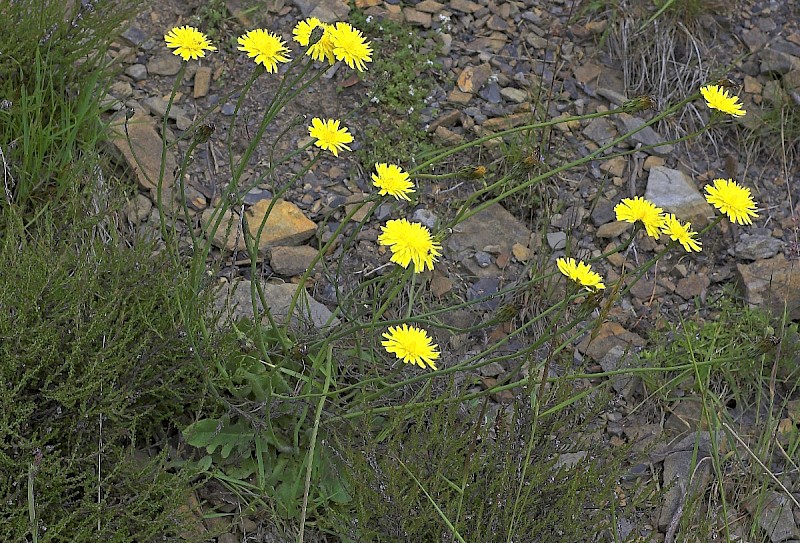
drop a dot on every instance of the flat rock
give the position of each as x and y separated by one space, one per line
285 225
327 11
234 302
472 78
164 64
492 227
683 475
608 336
228 235
618 358
774 516
202 81
141 151
601 131
290 261
773 284
673 191
757 247
646 136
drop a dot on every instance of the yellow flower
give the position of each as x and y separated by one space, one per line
323 49
392 180
188 42
329 136
410 242
639 209
581 273
264 48
733 200
682 233
718 98
350 46
411 345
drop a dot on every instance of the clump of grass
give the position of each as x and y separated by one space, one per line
471 462
55 75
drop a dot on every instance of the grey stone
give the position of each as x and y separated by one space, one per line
164 64
646 136
601 131
683 475
619 358
494 226
774 515
673 191
612 96
514 95
757 247
327 11
138 208
290 261
137 72
557 240
233 301
425 217
773 284
773 61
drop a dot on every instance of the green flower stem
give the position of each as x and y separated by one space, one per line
464 214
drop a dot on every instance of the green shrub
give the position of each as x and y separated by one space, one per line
95 374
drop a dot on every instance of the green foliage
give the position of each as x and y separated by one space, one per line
399 80
473 467
731 354
263 448
54 78
94 371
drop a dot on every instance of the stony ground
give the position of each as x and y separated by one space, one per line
500 64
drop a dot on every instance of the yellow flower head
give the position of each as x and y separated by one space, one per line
188 42
719 99
329 136
350 46
323 49
392 180
639 209
682 233
733 200
411 345
581 273
410 242
264 48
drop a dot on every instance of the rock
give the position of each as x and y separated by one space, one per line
430 6
164 64
514 95
509 121
774 515
608 336
286 225
447 119
777 62
142 153
601 131
416 17
472 78
447 137
586 73
612 229
137 209
757 247
603 212
137 72
770 284
464 6
327 11
557 240
693 285
494 226
290 261
614 166
683 475
227 235
234 302
673 191
202 81
646 136
618 358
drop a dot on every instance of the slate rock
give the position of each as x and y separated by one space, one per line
284 224
233 301
683 475
773 284
646 136
601 131
673 191
141 150
774 516
164 64
290 261
757 247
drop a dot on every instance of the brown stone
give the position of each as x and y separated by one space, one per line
289 261
285 224
227 235
202 81
416 17
141 149
472 78
773 284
